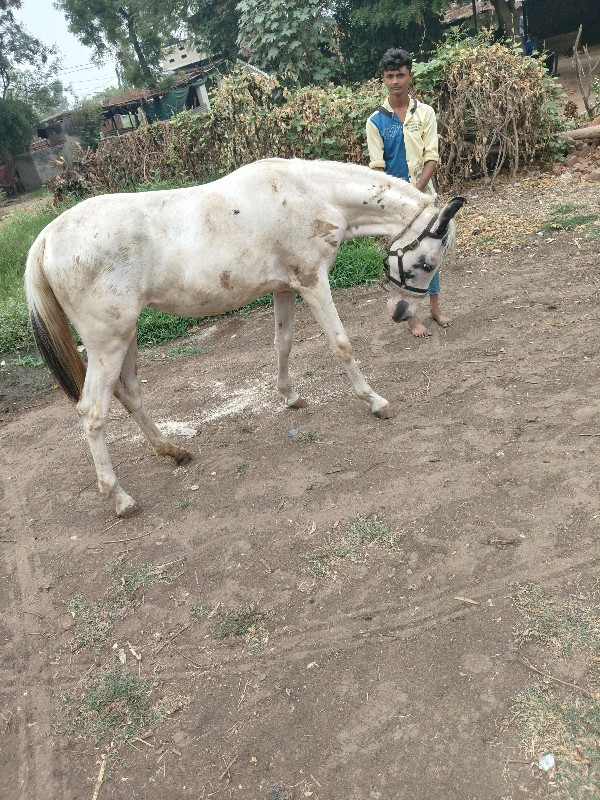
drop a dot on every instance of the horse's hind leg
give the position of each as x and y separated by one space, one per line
284 332
93 408
127 391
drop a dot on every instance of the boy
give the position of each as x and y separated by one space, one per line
402 141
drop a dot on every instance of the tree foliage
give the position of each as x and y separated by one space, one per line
369 27
17 46
135 31
39 88
17 122
295 39
215 23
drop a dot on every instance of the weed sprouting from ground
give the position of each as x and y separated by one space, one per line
241 422
95 621
361 533
246 622
242 468
185 502
108 708
561 715
240 622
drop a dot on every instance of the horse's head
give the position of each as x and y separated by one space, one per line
414 257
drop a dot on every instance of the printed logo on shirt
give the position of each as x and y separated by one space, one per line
391 131
413 125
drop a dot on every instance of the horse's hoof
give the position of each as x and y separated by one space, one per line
386 412
181 456
299 403
131 509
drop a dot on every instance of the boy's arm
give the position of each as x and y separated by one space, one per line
430 150
375 145
428 172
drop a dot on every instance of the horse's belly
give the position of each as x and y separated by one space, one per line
198 302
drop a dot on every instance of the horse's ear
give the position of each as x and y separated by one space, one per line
447 212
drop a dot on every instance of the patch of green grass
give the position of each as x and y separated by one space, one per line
242 467
358 261
560 627
484 240
95 622
158 326
592 233
360 533
309 373
567 217
243 621
109 708
309 436
559 715
27 361
184 349
199 611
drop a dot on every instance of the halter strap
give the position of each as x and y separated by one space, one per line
400 252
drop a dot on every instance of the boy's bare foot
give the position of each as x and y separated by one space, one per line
416 327
441 319
436 312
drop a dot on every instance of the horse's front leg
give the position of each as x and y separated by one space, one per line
283 303
322 306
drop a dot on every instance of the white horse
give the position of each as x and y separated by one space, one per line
272 226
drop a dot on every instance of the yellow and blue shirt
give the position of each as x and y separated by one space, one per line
402 148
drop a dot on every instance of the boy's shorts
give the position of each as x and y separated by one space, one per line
434 286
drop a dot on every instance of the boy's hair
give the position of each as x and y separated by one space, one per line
394 58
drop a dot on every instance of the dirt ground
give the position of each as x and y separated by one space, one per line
377 682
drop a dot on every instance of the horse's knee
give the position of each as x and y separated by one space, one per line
283 344
344 348
92 418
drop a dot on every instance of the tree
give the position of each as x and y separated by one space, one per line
17 46
133 31
17 126
215 22
39 89
296 38
369 27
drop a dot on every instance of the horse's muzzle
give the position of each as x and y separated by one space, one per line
402 312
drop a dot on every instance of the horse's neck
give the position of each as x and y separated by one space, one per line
372 203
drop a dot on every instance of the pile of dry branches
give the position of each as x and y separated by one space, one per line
496 109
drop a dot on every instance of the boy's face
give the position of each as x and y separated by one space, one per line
397 81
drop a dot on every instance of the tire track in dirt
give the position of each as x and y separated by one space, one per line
34 760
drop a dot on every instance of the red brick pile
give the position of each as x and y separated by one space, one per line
582 161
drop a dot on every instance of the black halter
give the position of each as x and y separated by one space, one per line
399 254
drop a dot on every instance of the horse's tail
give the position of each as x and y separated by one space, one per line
50 327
